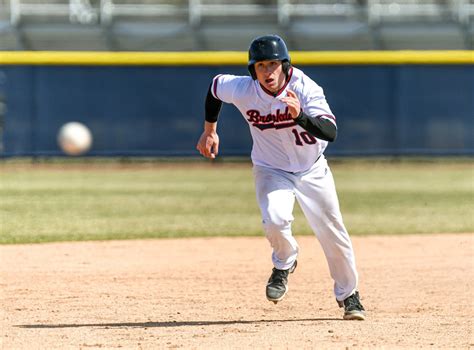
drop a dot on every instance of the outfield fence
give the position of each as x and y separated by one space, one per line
152 104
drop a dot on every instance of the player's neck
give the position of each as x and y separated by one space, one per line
280 88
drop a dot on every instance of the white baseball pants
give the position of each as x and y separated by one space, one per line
315 192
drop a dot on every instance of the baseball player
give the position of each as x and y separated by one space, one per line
291 124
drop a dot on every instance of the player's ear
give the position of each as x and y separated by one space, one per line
285 66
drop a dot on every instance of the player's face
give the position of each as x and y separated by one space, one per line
270 74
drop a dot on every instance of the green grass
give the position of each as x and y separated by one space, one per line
64 202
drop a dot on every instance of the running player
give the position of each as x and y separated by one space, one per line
291 124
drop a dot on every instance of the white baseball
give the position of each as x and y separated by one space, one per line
74 138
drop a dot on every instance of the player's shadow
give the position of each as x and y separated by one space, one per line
169 324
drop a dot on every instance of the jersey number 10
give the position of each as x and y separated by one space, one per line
303 136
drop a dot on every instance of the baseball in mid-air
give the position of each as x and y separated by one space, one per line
74 138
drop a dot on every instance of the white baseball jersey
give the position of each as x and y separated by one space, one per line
278 142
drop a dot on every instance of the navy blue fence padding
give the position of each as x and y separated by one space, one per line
159 111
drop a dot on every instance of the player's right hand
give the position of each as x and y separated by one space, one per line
208 144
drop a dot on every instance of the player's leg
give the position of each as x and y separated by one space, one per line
276 199
316 194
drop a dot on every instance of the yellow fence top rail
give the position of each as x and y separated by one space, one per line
206 58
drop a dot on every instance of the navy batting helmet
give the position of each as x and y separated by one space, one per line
267 47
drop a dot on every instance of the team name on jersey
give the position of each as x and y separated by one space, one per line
270 121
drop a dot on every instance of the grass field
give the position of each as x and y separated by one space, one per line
95 201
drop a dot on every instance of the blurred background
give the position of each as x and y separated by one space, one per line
157 110
157 25
417 112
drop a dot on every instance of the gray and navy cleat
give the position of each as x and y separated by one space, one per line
277 285
353 309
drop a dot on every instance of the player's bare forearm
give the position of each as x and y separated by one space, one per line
208 144
210 127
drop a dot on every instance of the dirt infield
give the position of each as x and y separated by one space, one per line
209 293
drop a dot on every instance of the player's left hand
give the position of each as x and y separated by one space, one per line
293 103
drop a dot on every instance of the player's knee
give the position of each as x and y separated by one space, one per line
276 226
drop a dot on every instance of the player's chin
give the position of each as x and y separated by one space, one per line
272 87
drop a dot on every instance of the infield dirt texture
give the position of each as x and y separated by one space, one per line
208 293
